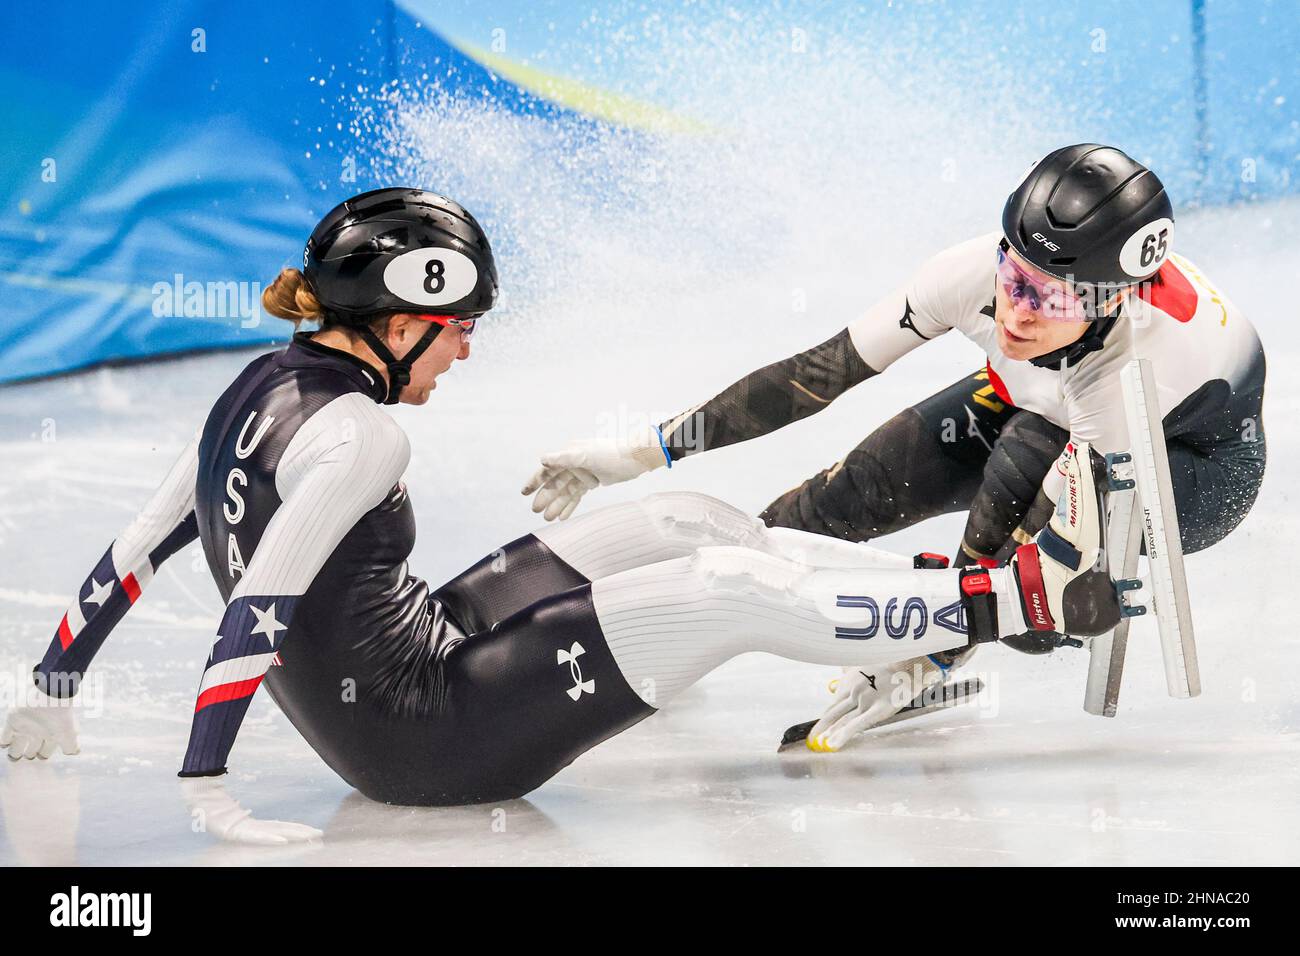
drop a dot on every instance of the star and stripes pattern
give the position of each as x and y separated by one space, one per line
105 596
247 645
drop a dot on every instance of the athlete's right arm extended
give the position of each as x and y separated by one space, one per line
761 402
163 526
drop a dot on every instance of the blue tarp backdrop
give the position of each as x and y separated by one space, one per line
162 160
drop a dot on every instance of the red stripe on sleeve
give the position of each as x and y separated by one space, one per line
224 692
131 587
65 633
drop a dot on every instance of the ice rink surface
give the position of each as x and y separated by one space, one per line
1023 776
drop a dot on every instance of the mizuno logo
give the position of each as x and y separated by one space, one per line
906 321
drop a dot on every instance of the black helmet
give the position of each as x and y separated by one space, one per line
1092 215
399 250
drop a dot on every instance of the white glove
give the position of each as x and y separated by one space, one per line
864 698
568 474
218 813
34 730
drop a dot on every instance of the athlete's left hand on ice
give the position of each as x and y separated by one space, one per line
864 698
568 474
35 730
218 813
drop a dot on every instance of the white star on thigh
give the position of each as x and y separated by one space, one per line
266 623
99 592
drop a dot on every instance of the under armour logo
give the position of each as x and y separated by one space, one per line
570 657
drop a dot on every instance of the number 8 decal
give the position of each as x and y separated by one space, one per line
431 274
431 277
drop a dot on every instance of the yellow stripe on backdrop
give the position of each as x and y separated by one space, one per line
614 108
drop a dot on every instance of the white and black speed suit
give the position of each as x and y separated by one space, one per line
985 443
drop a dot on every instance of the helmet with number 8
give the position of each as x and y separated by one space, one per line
399 250
1092 215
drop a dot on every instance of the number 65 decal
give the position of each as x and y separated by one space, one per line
1145 250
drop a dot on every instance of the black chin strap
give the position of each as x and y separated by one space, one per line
399 370
1092 340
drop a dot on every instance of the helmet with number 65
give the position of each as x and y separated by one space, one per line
1092 215
399 250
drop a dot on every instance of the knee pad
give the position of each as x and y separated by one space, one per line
1022 455
1021 458
1025 450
